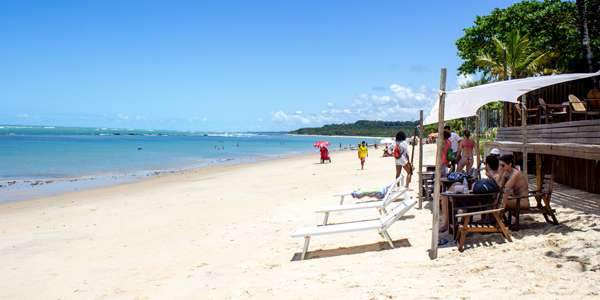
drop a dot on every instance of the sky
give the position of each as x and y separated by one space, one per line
227 66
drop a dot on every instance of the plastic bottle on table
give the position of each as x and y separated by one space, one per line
465 185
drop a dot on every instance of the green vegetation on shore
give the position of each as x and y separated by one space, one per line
361 128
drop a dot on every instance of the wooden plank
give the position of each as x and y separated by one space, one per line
561 129
591 152
589 128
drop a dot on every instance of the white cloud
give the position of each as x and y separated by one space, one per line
460 80
260 120
299 112
403 104
22 116
137 118
204 119
123 117
281 117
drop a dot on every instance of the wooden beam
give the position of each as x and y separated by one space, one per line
524 130
421 160
438 169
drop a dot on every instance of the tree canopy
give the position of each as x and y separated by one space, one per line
362 128
522 59
551 25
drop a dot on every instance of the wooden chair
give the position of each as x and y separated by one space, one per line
496 209
593 103
428 184
542 196
579 109
553 113
532 115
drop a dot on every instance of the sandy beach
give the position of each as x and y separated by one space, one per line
224 232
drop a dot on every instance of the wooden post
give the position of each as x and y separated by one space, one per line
478 130
412 155
538 171
421 161
438 169
524 132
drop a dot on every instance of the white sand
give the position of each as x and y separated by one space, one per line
223 232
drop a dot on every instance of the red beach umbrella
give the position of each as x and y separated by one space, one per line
320 144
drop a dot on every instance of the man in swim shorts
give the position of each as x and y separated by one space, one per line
362 153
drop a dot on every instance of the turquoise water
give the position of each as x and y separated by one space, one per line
48 153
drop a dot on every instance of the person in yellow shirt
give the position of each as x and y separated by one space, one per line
362 153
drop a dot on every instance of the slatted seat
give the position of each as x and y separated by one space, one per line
496 225
579 109
392 194
381 225
396 184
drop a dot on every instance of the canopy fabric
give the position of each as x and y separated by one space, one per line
465 103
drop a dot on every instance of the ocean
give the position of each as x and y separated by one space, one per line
38 155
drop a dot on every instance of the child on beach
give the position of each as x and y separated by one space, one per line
362 153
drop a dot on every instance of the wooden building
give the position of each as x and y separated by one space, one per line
575 144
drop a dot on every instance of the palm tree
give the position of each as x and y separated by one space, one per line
521 60
481 81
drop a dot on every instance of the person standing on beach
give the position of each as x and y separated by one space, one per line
399 149
362 153
454 139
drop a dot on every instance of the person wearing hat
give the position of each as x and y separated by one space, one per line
495 152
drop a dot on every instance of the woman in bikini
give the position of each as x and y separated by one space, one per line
467 146
515 180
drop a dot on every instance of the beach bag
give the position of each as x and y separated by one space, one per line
450 155
484 186
400 155
456 176
397 152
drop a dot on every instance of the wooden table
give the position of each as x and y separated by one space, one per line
427 184
456 201
429 168
447 183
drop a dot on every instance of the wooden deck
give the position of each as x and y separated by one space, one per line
572 198
576 146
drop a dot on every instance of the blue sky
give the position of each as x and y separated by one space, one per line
226 65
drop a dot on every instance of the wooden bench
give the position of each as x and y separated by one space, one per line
579 139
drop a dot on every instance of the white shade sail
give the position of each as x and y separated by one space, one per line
465 103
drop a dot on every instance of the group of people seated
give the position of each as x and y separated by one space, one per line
502 170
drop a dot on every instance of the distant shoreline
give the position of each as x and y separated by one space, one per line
343 136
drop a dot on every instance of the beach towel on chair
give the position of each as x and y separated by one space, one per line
378 193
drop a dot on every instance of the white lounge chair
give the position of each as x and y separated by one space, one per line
382 224
400 180
390 196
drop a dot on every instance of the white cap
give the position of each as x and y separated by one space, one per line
495 151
